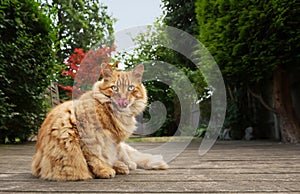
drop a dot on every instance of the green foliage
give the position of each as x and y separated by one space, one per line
248 40
155 90
180 14
201 130
80 24
150 50
26 66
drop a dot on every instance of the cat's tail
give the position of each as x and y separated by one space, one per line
142 160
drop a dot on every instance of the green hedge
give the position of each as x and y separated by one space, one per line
26 66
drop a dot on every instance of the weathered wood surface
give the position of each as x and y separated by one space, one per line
230 167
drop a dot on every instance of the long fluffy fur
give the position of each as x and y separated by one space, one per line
84 139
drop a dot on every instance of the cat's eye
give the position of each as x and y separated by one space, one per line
131 88
115 88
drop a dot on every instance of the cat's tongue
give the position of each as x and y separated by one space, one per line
122 102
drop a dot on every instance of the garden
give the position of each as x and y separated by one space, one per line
255 44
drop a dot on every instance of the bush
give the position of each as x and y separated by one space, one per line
26 66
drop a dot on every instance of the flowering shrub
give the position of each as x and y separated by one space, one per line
89 63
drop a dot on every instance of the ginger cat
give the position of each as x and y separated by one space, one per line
84 138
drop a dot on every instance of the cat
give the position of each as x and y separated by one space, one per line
84 138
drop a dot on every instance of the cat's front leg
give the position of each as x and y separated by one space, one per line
124 157
98 167
121 167
104 172
142 160
131 165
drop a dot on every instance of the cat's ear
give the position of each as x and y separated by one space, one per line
106 70
138 72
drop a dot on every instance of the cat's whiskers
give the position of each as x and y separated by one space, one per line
82 139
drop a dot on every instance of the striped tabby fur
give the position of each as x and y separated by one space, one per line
84 139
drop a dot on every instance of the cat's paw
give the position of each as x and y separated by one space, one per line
161 165
121 168
131 165
155 162
106 173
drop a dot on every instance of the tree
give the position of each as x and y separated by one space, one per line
147 54
253 41
89 63
81 24
176 14
180 14
26 67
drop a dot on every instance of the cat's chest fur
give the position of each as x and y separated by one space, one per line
83 138
100 127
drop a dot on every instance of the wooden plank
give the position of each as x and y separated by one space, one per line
230 167
179 175
147 187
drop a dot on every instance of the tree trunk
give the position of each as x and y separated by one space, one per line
289 124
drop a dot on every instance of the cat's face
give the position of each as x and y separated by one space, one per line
124 88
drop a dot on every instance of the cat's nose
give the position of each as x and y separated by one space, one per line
122 102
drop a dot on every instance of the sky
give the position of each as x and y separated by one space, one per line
130 13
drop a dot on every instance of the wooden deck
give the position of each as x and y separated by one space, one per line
230 167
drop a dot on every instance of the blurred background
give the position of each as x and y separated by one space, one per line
256 45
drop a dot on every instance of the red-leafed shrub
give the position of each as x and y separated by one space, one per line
84 68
